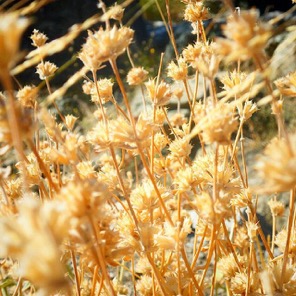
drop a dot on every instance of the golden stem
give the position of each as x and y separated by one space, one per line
289 233
77 281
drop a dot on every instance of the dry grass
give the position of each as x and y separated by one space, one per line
108 211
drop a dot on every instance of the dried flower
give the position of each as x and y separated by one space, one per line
86 170
281 242
185 179
240 281
45 70
180 148
195 12
136 76
145 285
247 111
178 71
287 85
159 94
27 96
33 238
277 208
115 12
38 38
103 45
252 230
84 197
218 124
247 36
87 86
277 166
228 266
167 240
99 137
70 121
104 88
192 53
178 119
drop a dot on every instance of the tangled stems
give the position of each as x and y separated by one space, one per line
142 156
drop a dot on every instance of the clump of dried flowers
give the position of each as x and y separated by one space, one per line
126 206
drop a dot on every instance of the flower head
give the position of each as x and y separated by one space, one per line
136 76
287 85
104 88
195 12
45 70
178 71
104 45
27 96
278 166
159 94
38 38
246 36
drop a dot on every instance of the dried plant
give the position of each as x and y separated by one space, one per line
125 205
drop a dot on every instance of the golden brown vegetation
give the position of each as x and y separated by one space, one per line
108 210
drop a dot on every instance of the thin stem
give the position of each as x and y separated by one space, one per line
77 281
210 252
157 275
289 233
273 232
196 255
94 281
172 36
99 254
214 273
244 159
191 274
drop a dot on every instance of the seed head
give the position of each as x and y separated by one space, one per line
115 12
70 121
178 71
159 94
104 45
105 89
136 76
27 96
45 70
287 85
277 208
195 12
38 38
277 166
218 125
228 266
180 148
246 36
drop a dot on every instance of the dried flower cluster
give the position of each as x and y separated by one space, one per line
159 202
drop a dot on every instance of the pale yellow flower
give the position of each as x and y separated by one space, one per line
27 96
104 45
45 70
278 166
136 76
178 71
246 36
287 85
38 38
159 94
